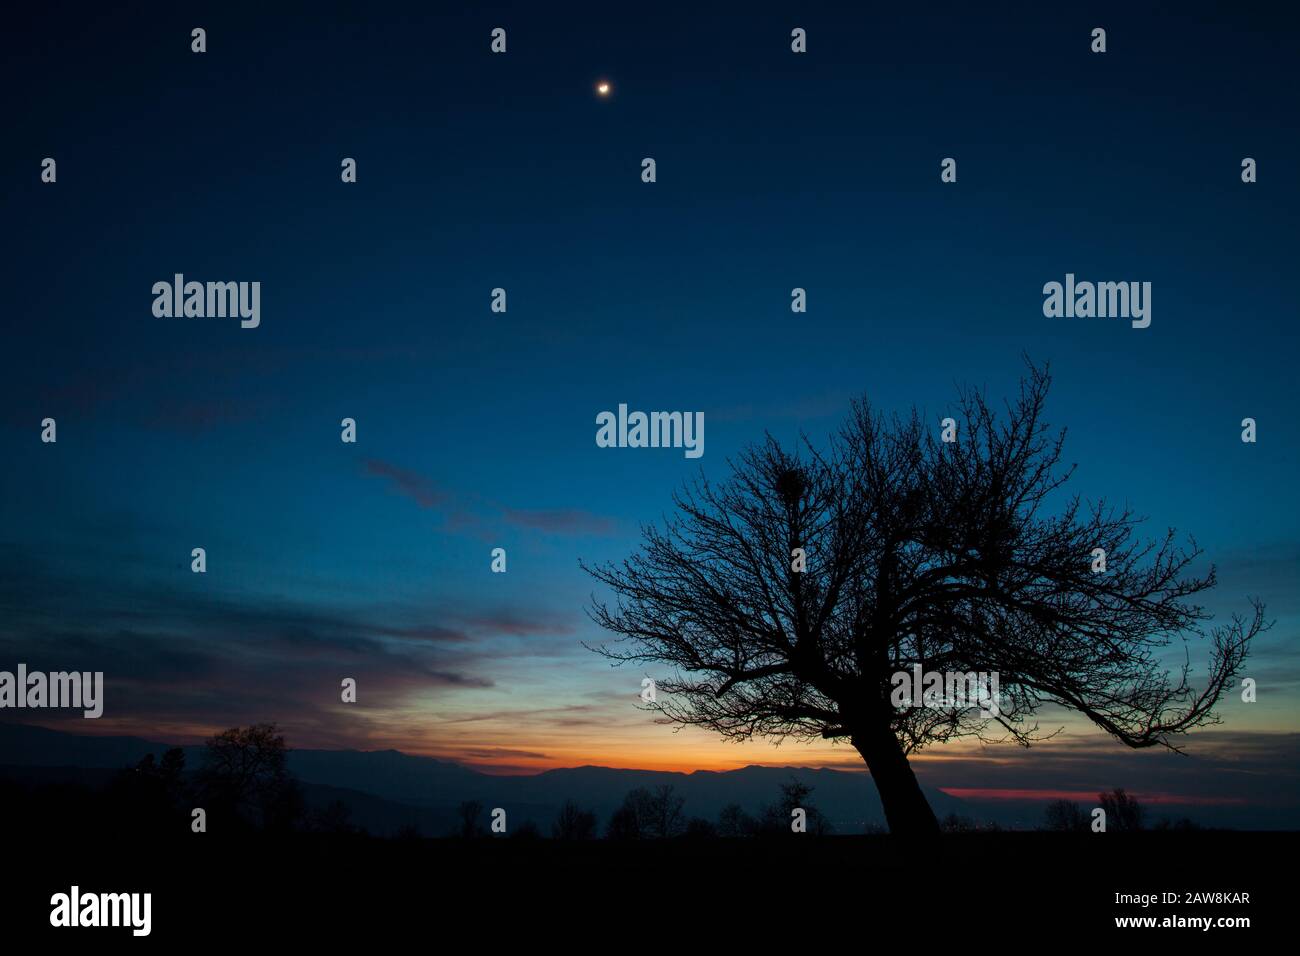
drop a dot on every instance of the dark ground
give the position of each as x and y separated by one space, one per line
1003 889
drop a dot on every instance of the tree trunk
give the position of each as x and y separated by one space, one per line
907 811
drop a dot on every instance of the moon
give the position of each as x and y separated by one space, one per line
603 88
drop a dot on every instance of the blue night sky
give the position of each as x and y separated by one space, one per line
476 429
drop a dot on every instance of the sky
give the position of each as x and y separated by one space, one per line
475 429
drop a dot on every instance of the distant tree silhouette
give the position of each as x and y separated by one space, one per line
1123 812
733 821
408 833
1182 824
153 792
171 769
957 823
165 777
574 823
528 830
919 552
776 818
661 813
245 771
470 816
648 815
1065 816
624 823
698 828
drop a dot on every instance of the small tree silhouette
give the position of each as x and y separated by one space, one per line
924 553
574 823
1065 816
624 823
661 814
698 828
154 792
470 816
733 821
528 830
1123 812
245 771
648 815
795 795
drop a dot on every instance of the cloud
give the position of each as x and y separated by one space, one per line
414 486
560 521
1267 572
536 712
196 661
490 753
465 627
473 515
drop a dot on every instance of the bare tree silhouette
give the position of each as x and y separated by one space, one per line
919 552
470 814
661 813
733 821
649 814
574 823
1065 816
245 772
153 792
775 819
1123 812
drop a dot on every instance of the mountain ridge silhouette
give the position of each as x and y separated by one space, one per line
411 786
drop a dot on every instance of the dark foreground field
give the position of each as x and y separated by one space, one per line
1039 888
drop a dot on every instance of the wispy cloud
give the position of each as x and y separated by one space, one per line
471 514
414 486
560 521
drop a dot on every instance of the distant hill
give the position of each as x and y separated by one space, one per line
23 745
387 789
